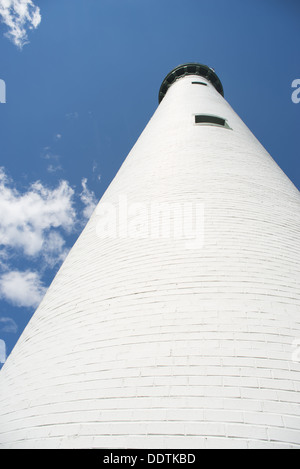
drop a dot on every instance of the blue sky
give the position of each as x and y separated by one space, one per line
82 80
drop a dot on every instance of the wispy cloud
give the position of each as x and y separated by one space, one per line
8 325
51 168
19 16
88 198
95 170
72 115
47 154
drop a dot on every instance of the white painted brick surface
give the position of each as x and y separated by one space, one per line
144 343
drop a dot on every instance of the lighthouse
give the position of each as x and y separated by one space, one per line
174 321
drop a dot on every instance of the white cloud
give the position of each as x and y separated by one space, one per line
28 219
22 288
19 16
88 198
54 249
33 223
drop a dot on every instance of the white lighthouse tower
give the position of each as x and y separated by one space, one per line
174 322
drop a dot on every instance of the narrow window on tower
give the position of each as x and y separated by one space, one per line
207 119
199 83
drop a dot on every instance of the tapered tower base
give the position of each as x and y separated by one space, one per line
172 331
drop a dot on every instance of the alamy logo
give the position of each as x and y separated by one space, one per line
296 351
296 94
152 220
2 92
2 352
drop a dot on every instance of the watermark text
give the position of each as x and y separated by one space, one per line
2 352
2 92
296 350
296 93
152 220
